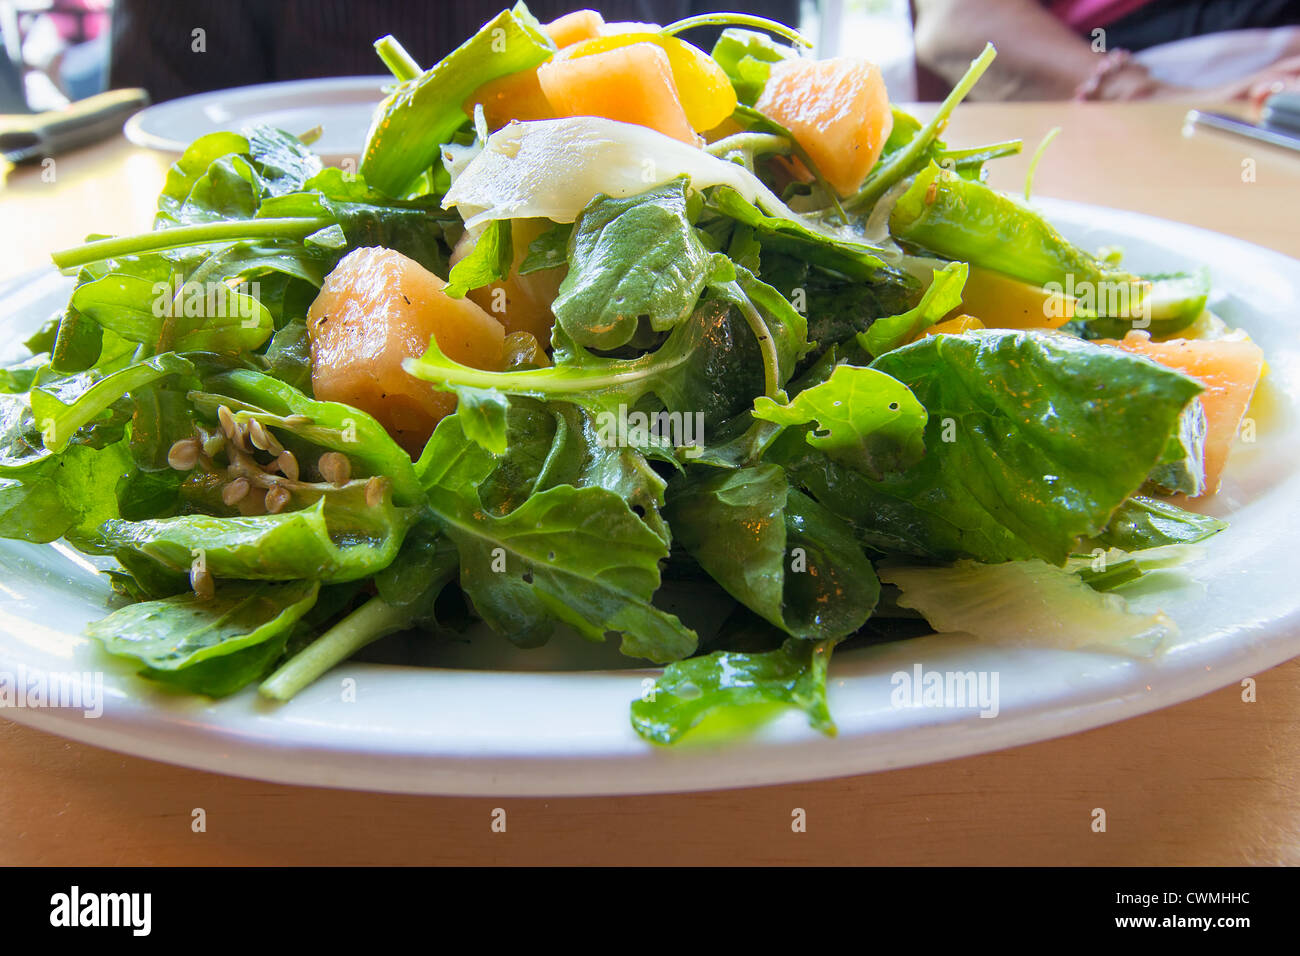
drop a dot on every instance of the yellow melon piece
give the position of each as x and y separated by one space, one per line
955 326
837 109
632 84
1002 302
1228 369
376 308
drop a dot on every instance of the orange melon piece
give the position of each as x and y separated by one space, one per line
575 27
1229 370
632 84
376 308
955 326
703 89
519 303
837 109
1002 302
517 96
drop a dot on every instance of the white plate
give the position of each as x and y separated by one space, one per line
516 725
341 106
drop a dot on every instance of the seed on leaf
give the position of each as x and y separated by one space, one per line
202 583
288 465
234 492
335 468
375 489
227 419
263 439
276 499
184 454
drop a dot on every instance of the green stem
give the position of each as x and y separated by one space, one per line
896 167
200 234
373 620
1038 154
755 143
766 344
736 20
401 64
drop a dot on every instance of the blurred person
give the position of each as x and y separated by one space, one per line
155 46
1111 49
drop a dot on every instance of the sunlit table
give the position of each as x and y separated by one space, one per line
1211 781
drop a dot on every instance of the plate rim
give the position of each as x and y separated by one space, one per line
788 753
134 128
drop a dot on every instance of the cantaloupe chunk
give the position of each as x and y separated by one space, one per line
837 109
521 303
705 92
1229 370
575 27
376 308
632 84
517 96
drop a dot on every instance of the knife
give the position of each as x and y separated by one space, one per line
24 138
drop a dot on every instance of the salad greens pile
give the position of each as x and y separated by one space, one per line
844 471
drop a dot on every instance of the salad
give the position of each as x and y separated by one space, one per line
715 354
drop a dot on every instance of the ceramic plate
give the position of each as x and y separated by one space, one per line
340 106
481 719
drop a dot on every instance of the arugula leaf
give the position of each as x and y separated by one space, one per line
940 297
775 550
182 631
706 365
843 251
738 691
1141 523
1013 466
339 538
746 57
1182 466
550 250
63 406
488 261
631 257
866 419
411 125
574 555
50 496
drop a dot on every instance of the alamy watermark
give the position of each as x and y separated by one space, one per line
643 430
82 691
1113 299
960 690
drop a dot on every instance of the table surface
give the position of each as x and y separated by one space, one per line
1212 781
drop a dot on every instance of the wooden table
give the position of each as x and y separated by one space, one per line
1211 781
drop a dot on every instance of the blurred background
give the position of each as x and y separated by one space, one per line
59 51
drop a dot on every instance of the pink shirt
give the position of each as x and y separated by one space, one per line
1083 15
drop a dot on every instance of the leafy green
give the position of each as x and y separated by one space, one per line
550 250
865 419
63 406
1012 468
179 632
775 550
1028 603
338 538
940 297
746 57
628 258
1182 467
574 555
744 690
1142 522
487 262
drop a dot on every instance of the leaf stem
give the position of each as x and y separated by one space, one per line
401 64
373 620
199 234
766 344
736 20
